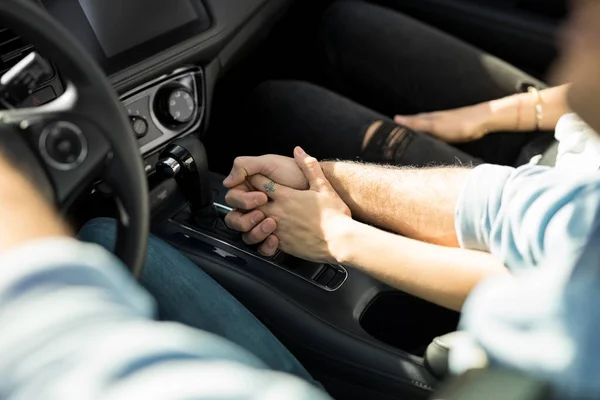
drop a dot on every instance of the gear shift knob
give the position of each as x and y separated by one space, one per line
185 160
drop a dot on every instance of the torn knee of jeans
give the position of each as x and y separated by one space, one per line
385 141
370 132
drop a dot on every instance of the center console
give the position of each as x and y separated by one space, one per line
319 311
199 224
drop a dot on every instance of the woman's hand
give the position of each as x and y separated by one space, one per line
452 126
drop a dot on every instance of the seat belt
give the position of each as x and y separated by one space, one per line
549 156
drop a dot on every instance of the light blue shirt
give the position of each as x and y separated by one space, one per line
75 325
544 224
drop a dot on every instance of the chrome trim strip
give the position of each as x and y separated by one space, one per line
222 207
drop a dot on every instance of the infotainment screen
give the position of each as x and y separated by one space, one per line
120 33
121 25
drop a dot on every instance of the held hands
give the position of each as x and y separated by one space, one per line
311 224
452 126
246 199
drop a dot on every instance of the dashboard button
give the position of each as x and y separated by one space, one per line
140 126
63 145
39 97
326 275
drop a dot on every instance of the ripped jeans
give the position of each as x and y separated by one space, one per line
384 63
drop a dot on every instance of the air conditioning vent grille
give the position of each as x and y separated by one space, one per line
12 49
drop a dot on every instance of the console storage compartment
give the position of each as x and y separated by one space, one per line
406 322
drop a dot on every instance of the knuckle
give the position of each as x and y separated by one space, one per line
246 203
311 162
247 238
231 221
320 182
238 222
233 199
244 224
238 162
267 251
252 237
268 231
230 202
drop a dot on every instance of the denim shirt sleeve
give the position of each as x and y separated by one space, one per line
529 215
75 325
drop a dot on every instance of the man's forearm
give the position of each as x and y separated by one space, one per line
438 274
418 203
24 214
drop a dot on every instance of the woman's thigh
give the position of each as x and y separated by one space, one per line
285 114
395 64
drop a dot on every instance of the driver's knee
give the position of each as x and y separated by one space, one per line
101 231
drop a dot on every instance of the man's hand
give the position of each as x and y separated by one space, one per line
24 214
245 198
311 224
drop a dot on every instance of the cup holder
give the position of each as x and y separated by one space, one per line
406 322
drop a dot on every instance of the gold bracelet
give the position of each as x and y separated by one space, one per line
519 100
538 108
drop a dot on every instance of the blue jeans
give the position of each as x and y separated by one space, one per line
187 295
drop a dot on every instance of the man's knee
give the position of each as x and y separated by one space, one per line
102 231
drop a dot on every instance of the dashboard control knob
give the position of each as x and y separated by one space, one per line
63 145
181 105
175 106
140 126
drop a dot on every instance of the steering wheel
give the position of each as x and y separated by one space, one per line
82 136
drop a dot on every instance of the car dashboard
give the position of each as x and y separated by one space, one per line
163 58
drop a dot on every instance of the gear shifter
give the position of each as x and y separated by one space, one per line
185 160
